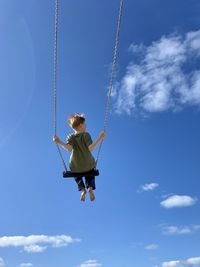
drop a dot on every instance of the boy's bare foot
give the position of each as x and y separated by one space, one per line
83 195
91 193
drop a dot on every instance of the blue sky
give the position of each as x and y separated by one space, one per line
147 205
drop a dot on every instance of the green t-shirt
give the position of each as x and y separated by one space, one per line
81 159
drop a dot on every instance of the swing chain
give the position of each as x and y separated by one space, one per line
55 78
113 75
55 65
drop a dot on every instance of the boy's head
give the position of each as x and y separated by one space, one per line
77 122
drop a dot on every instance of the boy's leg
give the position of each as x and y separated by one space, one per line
81 187
90 184
80 183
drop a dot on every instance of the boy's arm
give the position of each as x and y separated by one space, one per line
65 146
62 144
99 139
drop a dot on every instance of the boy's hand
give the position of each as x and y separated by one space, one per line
56 139
102 135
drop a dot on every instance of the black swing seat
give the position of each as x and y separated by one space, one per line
68 174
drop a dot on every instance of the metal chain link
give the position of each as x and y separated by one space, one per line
55 65
113 75
55 78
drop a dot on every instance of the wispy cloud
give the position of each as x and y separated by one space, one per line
90 263
26 265
175 230
182 263
36 243
2 262
162 76
178 201
152 247
148 187
35 248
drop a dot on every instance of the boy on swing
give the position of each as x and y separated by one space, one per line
80 145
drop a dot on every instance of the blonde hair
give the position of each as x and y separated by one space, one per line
75 120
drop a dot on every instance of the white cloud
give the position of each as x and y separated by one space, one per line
178 201
157 80
35 243
172 264
193 261
90 263
152 247
182 263
34 249
148 187
26 265
175 230
2 262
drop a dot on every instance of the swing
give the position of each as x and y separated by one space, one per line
95 172
68 174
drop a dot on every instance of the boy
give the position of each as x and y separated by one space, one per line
81 159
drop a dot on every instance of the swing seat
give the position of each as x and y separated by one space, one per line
68 174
